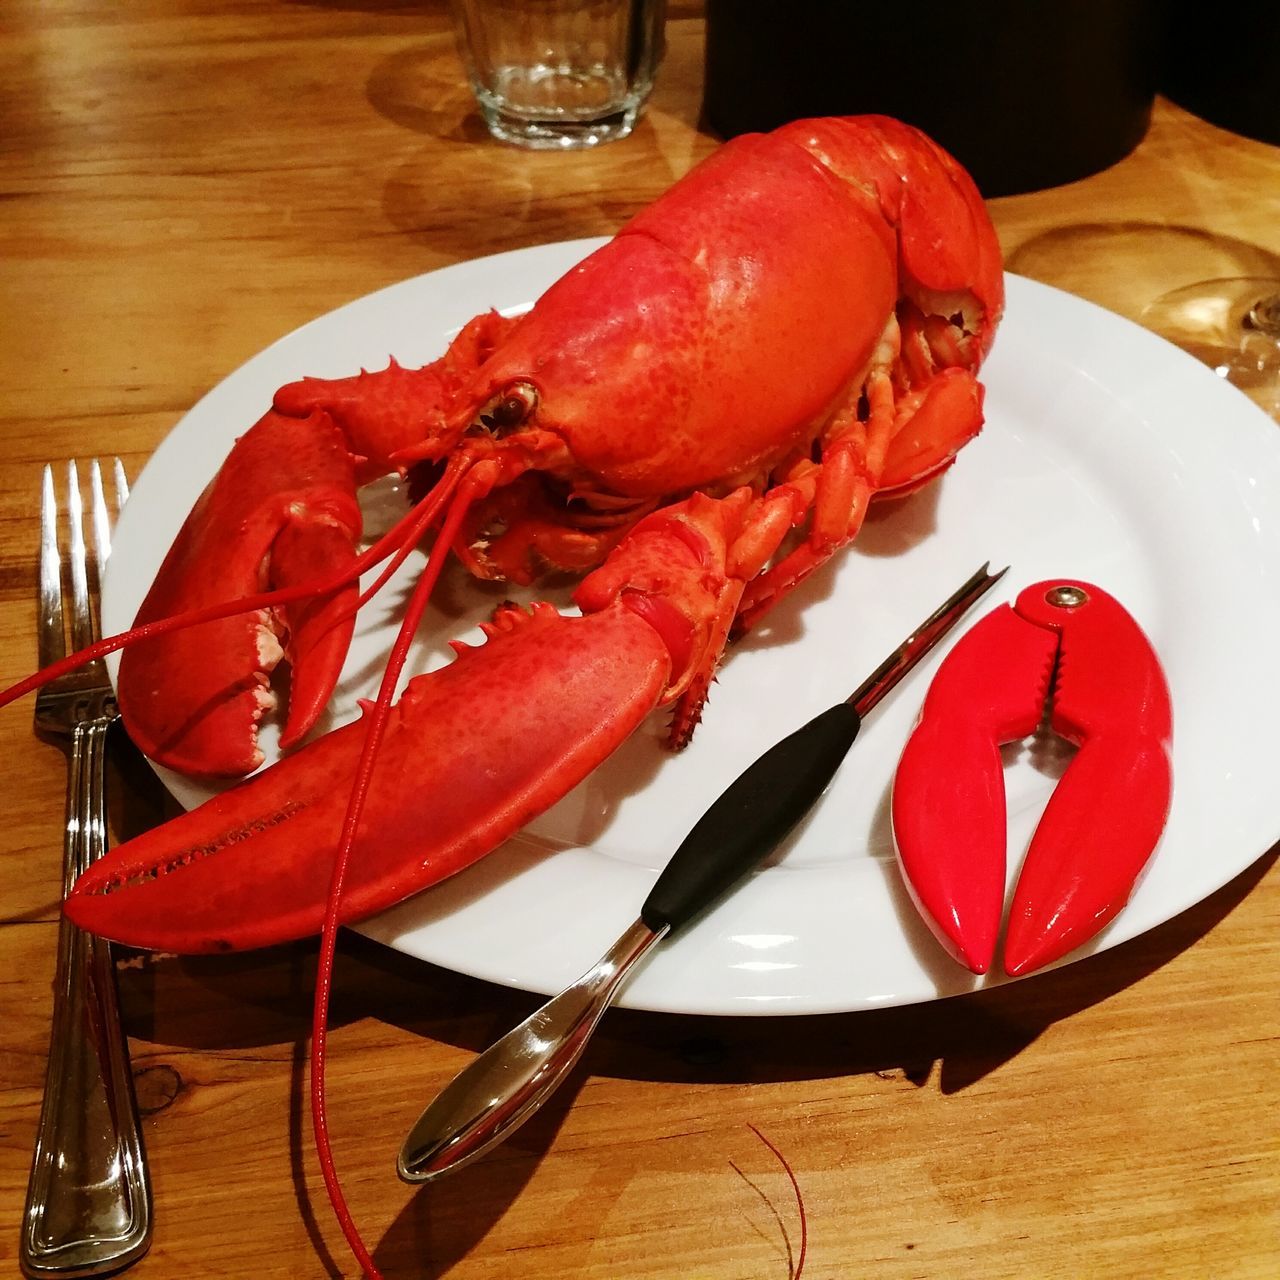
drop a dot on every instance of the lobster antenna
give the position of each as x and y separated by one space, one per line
378 712
397 542
436 496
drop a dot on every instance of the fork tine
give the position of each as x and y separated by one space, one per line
81 625
101 525
51 643
122 486
102 519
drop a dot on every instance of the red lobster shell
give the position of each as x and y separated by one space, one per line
793 329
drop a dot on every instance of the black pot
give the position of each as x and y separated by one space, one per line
1025 95
1223 64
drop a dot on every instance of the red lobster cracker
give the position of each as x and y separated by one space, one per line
696 417
1071 646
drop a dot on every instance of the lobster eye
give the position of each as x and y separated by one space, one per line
514 406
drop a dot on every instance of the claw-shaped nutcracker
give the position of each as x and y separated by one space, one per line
1070 647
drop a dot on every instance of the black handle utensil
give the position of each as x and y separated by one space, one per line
507 1083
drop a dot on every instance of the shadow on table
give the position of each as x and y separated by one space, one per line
443 1222
264 999
969 1035
269 993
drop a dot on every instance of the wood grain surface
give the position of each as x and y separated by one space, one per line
184 181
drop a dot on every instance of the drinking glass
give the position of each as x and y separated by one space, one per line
560 74
1233 325
1225 73
1216 297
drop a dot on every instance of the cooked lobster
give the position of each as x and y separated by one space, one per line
695 418
791 330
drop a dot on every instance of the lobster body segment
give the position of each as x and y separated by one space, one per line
945 244
683 354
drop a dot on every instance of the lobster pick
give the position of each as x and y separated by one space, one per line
512 1079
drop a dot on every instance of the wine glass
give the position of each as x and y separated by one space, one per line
1232 324
1223 73
1216 297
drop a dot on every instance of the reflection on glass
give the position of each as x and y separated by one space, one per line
1232 325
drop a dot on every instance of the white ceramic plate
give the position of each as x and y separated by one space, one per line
1108 455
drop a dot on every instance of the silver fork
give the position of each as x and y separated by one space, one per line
89 1198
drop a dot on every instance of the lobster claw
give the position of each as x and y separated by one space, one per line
1071 646
472 752
281 512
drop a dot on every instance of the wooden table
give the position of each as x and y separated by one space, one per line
187 180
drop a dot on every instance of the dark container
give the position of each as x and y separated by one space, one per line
1025 95
1223 64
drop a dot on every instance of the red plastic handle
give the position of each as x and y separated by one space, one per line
1103 820
948 793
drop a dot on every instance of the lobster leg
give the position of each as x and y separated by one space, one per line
903 443
684 570
397 416
282 510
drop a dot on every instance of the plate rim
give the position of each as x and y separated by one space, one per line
557 256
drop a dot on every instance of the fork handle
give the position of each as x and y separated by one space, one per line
89 1198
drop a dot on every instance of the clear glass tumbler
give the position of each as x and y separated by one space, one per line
558 74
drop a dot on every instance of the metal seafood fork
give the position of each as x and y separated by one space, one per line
89 1199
